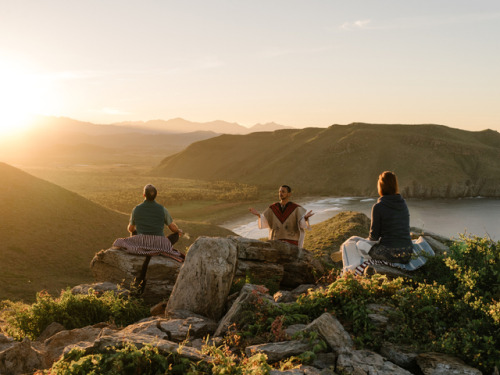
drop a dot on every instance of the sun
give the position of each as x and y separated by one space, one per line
23 94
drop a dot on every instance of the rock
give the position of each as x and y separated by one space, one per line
205 278
277 351
19 357
390 272
66 340
260 271
284 296
291 330
249 295
365 362
437 246
119 267
333 332
441 364
325 360
179 330
100 288
138 339
403 356
379 315
286 265
50 331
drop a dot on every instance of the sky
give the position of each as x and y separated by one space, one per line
296 63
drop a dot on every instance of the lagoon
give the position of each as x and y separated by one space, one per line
448 217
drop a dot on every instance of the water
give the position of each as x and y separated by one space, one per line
448 217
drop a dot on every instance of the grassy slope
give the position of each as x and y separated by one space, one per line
49 235
430 160
325 238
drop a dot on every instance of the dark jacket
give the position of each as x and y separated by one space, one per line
391 222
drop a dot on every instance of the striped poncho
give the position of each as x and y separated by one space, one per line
145 244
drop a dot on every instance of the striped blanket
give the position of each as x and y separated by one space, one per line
355 256
145 244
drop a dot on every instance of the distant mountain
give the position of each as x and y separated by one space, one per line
63 141
345 160
48 235
179 125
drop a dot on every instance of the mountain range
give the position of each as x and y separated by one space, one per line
345 160
63 141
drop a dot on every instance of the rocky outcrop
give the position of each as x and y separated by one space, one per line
182 333
288 266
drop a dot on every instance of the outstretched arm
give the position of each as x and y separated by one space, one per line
254 211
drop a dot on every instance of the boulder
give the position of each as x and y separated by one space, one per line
403 356
285 265
19 357
277 351
333 332
442 364
64 341
365 362
252 295
205 277
119 267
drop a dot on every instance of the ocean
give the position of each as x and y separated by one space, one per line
448 217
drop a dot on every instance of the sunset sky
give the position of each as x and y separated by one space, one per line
297 63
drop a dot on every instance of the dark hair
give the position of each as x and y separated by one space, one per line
150 192
288 188
387 183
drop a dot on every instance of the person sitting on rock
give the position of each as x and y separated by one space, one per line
390 223
150 217
286 220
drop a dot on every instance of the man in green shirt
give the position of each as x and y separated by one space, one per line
150 217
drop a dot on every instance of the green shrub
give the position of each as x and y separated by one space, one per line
127 360
72 311
475 263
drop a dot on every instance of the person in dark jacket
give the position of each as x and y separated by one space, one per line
390 223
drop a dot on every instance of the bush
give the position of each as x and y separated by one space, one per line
72 311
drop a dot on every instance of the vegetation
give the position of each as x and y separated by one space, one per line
453 306
450 306
72 311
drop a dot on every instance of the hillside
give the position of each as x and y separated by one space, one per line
430 160
48 235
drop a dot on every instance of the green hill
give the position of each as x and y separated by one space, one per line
430 160
48 235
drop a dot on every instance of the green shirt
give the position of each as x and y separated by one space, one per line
150 217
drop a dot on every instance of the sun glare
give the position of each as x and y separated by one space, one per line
23 94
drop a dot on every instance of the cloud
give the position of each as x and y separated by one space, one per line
359 24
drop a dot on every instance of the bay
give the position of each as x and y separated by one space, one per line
448 217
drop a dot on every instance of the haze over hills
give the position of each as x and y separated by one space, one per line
48 235
179 125
63 141
430 160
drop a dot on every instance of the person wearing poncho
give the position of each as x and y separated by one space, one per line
286 220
